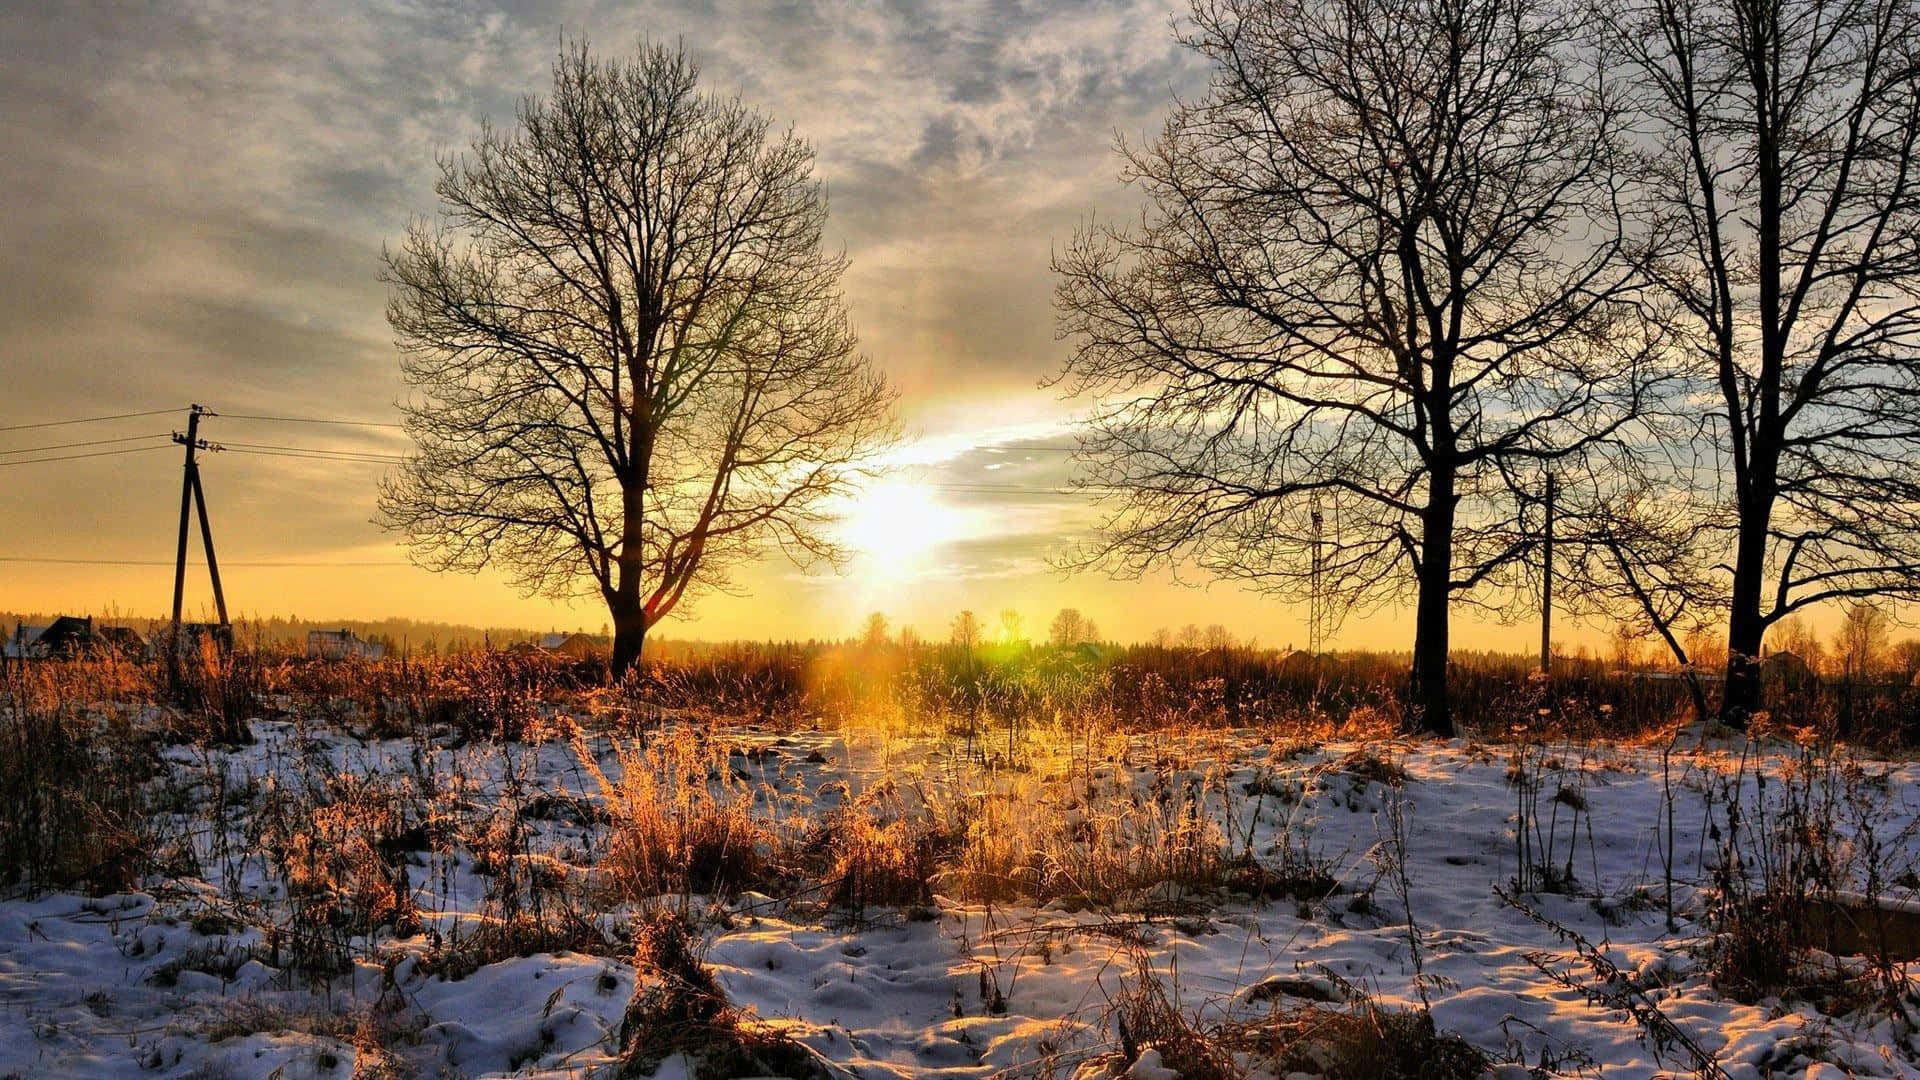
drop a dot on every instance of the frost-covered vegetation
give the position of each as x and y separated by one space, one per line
884 862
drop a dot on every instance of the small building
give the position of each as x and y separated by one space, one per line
577 646
341 644
1786 667
124 640
68 635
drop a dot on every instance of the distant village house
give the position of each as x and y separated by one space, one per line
341 645
68 636
578 646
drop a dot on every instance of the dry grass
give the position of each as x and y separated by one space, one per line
678 1008
1360 1041
1061 779
681 821
72 788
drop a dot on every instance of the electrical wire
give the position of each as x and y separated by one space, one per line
307 420
354 459
76 457
169 562
311 450
86 420
88 442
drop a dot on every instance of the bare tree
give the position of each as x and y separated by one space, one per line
631 364
1070 627
1382 282
965 631
1787 132
1861 643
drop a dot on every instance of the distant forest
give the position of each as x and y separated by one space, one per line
398 635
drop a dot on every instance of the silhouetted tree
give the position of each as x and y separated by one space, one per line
1382 280
1861 644
965 631
1071 628
631 365
1786 134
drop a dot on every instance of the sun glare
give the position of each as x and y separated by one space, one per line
894 526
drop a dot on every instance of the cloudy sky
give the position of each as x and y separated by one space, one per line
196 195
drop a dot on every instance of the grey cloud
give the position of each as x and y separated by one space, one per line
196 193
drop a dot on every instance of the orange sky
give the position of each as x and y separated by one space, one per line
197 197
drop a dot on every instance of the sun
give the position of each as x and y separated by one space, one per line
894 528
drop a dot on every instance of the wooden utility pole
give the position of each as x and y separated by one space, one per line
1546 586
1317 605
193 497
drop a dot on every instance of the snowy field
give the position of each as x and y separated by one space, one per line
332 906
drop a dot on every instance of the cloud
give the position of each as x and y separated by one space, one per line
197 194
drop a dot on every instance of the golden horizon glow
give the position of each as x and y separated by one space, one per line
895 528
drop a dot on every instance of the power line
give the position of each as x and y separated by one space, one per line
169 562
312 450
353 459
86 420
76 457
87 442
308 420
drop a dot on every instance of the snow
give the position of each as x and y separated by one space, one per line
146 984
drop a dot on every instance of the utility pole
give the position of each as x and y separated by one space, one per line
193 497
1316 608
1546 586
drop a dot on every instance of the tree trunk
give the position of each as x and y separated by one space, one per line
623 603
1746 628
1429 708
1742 698
629 632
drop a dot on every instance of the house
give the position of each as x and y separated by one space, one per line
341 644
577 646
124 640
1786 667
65 636
68 635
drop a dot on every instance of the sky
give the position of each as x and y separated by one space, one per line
196 198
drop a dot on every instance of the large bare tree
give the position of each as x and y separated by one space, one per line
631 364
1786 152
1383 282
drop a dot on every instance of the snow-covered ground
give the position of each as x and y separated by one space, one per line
194 977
